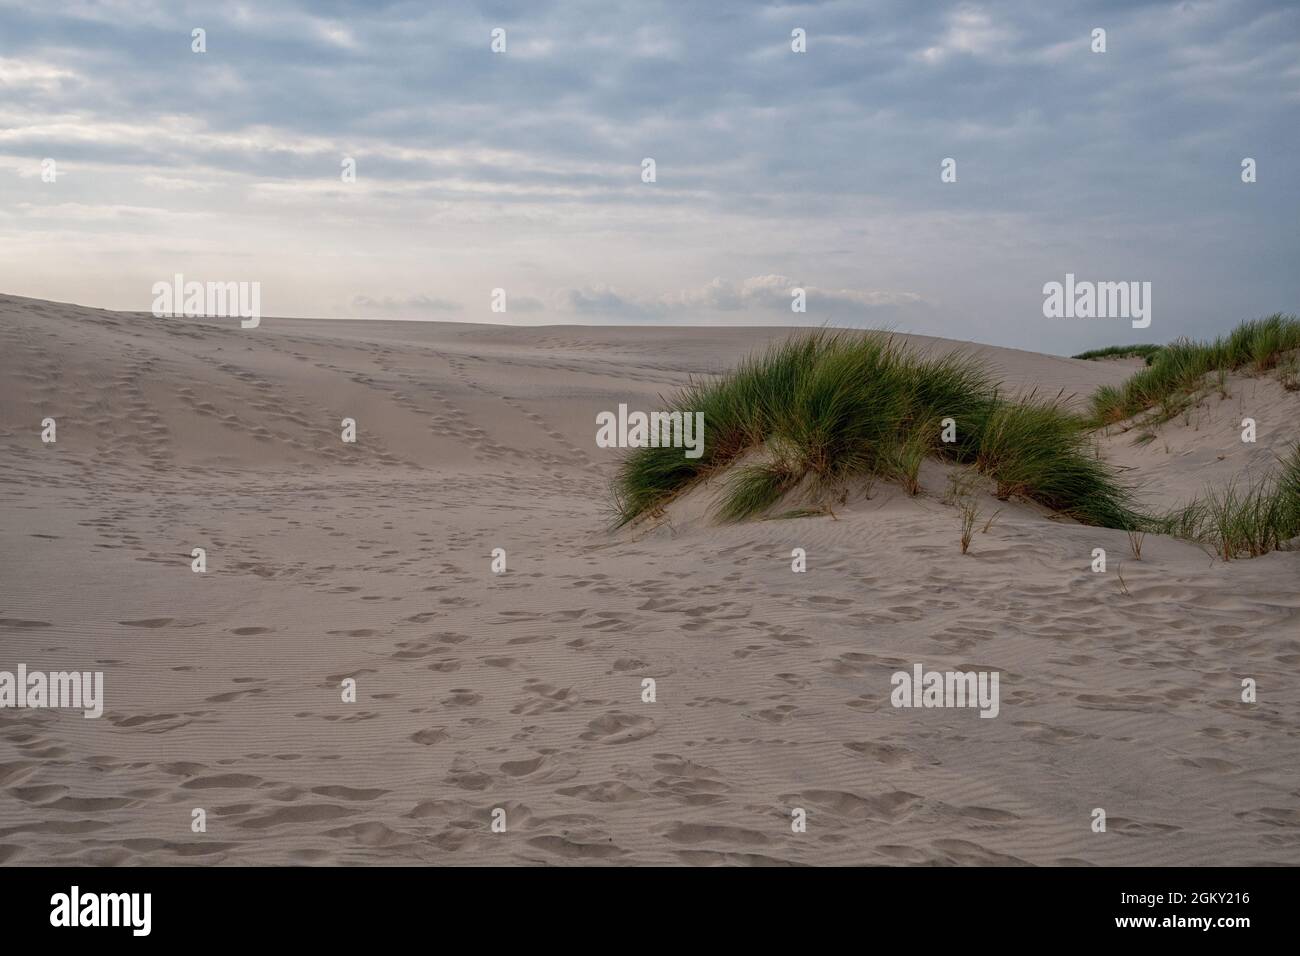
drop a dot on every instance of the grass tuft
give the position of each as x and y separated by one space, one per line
970 513
823 408
1174 377
1243 520
1122 351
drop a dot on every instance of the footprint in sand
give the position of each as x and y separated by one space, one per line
619 728
694 833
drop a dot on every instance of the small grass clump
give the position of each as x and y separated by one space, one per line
1244 521
826 407
1289 373
970 513
1175 376
1135 539
1146 352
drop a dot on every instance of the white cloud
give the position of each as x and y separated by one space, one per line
970 31
17 74
99 212
336 34
176 183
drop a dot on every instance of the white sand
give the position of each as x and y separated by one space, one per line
523 690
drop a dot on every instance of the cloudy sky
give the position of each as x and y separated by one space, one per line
523 170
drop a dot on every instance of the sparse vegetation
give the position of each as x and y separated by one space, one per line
1146 352
1123 585
1135 539
1243 521
1289 373
1175 377
970 513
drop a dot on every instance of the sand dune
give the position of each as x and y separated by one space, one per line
522 691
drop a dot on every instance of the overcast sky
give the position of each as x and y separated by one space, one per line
775 169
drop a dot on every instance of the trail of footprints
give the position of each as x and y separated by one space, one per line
485 696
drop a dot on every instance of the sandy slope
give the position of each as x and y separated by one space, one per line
522 690
1202 448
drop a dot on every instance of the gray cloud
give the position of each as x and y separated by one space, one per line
526 303
413 304
763 297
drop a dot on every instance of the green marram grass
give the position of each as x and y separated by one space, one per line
1243 520
823 408
1176 375
1146 352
